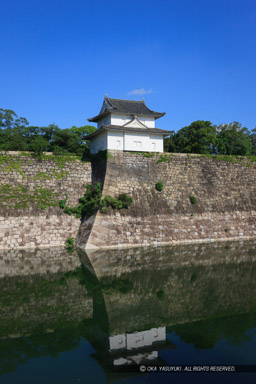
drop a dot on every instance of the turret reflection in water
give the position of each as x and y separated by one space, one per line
133 306
138 348
207 287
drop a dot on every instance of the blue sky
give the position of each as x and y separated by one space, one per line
195 59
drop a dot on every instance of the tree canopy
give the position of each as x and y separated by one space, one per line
205 138
17 135
233 139
200 137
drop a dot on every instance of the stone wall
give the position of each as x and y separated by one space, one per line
225 195
26 222
225 206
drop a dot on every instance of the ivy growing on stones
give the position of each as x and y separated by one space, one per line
70 244
192 199
92 201
159 185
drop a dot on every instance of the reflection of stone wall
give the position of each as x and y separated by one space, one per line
44 300
120 261
225 208
18 262
178 284
33 227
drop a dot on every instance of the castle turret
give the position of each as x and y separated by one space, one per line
127 125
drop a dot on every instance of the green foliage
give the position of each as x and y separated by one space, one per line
192 199
145 154
20 197
234 159
233 139
148 154
62 203
60 160
168 143
92 201
160 295
204 334
193 278
70 244
17 135
198 137
163 158
14 163
11 164
118 285
50 174
253 141
252 158
204 138
123 201
159 185
88 204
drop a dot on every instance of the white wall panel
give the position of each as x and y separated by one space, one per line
116 140
143 142
99 143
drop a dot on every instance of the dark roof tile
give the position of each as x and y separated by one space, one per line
127 107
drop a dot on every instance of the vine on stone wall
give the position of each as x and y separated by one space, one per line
92 201
19 197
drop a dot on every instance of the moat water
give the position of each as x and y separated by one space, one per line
75 318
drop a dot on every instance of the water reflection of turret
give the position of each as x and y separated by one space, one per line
145 290
126 303
114 351
164 286
138 347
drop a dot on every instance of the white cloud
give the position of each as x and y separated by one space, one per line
140 91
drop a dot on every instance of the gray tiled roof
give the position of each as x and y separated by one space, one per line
126 107
127 129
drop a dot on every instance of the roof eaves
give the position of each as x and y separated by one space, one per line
98 117
131 129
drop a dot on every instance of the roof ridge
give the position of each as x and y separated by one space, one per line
135 101
108 102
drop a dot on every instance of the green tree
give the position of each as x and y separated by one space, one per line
72 140
12 130
253 141
233 139
16 135
198 137
168 144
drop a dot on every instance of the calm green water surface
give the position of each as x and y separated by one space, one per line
77 318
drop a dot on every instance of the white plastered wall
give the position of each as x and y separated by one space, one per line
104 121
126 141
99 143
116 140
123 119
143 142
